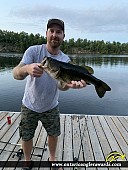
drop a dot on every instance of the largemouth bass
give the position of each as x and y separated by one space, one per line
67 72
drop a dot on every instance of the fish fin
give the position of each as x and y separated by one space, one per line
101 90
90 70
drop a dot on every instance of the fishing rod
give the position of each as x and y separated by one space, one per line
18 144
75 159
19 153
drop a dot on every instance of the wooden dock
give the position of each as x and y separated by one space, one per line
90 137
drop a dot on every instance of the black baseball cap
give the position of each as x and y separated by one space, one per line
55 21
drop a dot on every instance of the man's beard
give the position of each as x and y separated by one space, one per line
55 43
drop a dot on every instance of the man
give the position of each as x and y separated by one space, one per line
40 101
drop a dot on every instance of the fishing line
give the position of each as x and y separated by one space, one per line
17 144
75 159
19 153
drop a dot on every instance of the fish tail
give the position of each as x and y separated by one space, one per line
102 88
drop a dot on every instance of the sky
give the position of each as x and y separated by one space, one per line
85 19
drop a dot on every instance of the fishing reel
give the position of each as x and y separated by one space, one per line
19 154
75 159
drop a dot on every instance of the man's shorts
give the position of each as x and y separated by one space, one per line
29 121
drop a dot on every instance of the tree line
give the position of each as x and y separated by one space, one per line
23 40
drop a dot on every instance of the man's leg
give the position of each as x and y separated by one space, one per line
27 148
51 123
52 144
27 127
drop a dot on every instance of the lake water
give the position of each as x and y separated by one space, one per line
113 69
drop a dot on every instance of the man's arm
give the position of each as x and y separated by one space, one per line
21 71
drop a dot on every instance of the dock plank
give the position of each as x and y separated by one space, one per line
109 135
101 136
120 140
82 130
122 127
3 120
96 146
3 115
111 139
10 136
94 140
76 139
124 121
68 140
90 137
6 128
60 145
87 147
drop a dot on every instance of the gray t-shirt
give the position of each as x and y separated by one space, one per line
41 94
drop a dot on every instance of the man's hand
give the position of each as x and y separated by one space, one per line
34 70
77 84
73 84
